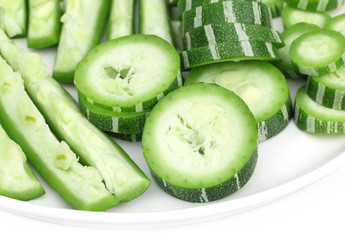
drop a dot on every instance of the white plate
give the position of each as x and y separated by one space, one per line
286 163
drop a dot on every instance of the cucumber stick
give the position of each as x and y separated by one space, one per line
44 23
121 176
83 26
80 186
13 17
121 19
200 143
17 179
261 86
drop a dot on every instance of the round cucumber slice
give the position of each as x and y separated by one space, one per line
337 24
250 12
229 51
328 90
312 117
316 5
318 52
125 72
262 87
229 32
200 143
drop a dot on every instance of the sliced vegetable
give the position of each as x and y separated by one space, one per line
275 7
318 52
312 117
83 26
120 174
337 23
44 23
13 17
261 86
80 186
17 179
316 5
121 19
200 143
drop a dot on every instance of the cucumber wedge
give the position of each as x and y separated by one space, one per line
17 179
261 86
13 17
80 186
200 143
83 25
312 117
121 175
318 52
44 23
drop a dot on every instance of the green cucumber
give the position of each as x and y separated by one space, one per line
316 5
44 23
318 52
130 73
312 117
229 51
13 17
328 90
83 26
116 122
250 12
121 19
121 176
225 32
289 35
337 23
17 179
275 7
200 143
80 186
127 137
261 86
291 16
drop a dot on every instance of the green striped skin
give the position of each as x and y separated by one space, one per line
312 117
185 5
250 12
291 16
44 23
230 32
229 51
316 5
337 23
211 193
14 18
328 93
318 52
126 137
276 7
109 121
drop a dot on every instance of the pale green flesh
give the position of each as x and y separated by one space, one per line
122 177
337 24
85 182
12 17
200 140
335 79
260 85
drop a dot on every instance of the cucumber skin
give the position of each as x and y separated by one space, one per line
329 94
213 193
312 6
126 137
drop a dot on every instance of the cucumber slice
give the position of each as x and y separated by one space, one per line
127 137
122 177
229 32
229 51
337 24
44 23
316 5
312 117
275 7
109 121
291 16
17 179
318 52
261 86
289 35
13 17
328 90
80 186
121 19
200 143
250 12
83 26
126 72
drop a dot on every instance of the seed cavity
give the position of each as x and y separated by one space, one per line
122 77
